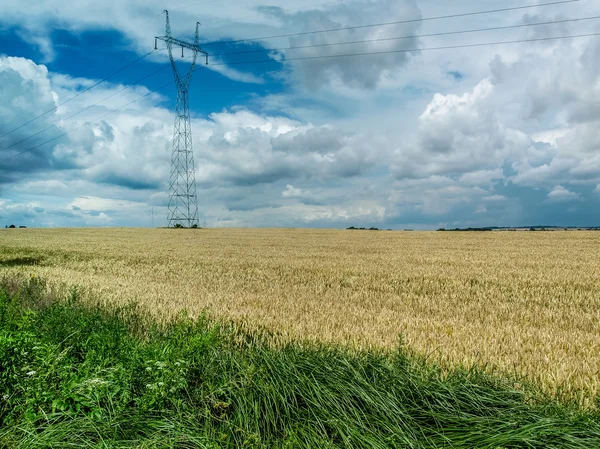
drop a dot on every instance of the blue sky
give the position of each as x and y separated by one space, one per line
498 135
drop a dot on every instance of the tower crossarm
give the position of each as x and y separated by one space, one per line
179 43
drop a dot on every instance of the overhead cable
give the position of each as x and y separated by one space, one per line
398 22
307 58
78 94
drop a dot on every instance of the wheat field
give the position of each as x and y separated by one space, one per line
524 303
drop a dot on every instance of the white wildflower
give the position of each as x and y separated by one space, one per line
30 373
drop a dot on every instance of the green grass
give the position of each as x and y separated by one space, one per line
74 376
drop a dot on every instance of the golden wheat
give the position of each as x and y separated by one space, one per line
525 303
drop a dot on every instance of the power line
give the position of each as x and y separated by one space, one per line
307 58
87 123
398 22
90 106
78 94
414 36
414 50
309 46
317 5
284 10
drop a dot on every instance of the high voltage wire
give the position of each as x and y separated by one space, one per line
413 50
317 57
398 22
414 36
78 94
306 58
88 123
88 107
284 10
298 34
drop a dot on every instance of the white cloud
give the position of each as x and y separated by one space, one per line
559 194
461 136
481 209
482 177
243 148
45 187
101 204
234 74
291 192
495 198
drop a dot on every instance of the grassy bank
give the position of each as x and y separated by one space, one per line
75 376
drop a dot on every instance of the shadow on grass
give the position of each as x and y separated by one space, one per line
20 261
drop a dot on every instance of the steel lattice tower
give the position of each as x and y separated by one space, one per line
183 200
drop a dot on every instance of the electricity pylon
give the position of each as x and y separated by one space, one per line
183 200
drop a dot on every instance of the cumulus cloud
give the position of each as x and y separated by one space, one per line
234 74
560 194
26 93
495 198
361 73
306 196
460 136
243 148
291 192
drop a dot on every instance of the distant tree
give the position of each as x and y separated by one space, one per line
12 226
22 227
442 230
194 226
178 226
532 229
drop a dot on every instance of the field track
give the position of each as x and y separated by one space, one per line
523 302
